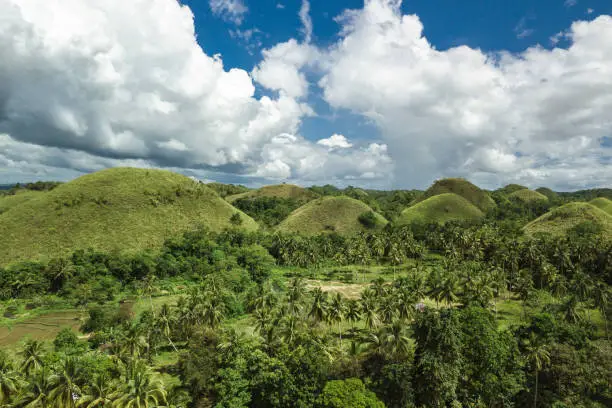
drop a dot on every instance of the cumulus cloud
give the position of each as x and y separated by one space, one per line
113 82
461 111
335 141
229 10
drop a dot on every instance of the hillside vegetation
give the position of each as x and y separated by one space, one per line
528 196
116 209
440 209
463 188
285 191
563 219
330 214
14 200
511 188
603 204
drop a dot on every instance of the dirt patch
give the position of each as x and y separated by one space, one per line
349 290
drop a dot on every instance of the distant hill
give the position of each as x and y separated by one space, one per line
278 191
225 190
562 219
115 209
528 196
603 204
330 214
550 194
463 188
511 188
440 209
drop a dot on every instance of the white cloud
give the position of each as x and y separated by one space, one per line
281 68
590 11
570 3
306 21
463 112
280 6
230 10
521 29
335 141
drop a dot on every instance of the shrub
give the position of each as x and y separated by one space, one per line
368 219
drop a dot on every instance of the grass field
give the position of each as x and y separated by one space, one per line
560 220
15 200
116 209
463 188
329 214
440 209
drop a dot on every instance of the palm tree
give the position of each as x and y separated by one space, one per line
387 309
148 288
353 312
538 356
571 310
337 312
601 298
37 392
318 309
133 342
164 320
9 380
297 290
213 312
65 389
141 390
397 342
369 310
98 393
32 354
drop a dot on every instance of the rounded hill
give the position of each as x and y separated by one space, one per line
440 209
115 209
463 188
562 219
528 196
339 214
603 204
511 188
14 200
287 191
550 194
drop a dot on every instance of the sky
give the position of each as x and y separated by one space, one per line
375 93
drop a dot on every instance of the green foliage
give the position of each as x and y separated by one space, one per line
268 210
563 219
527 196
602 203
463 188
235 219
368 219
225 190
349 393
65 340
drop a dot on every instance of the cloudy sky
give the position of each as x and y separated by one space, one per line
376 93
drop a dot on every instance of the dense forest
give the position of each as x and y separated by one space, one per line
461 313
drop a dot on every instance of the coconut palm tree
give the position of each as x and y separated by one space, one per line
165 321
369 309
133 342
37 391
98 393
32 354
601 298
353 312
65 389
571 310
9 380
337 312
318 309
141 390
537 356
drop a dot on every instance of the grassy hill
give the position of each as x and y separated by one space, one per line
528 196
278 191
562 219
463 188
440 209
603 204
115 209
329 214
14 200
511 188
550 194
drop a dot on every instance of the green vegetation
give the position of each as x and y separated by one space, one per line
17 199
451 313
562 220
329 214
548 193
440 209
603 204
527 196
511 188
118 209
463 188
225 190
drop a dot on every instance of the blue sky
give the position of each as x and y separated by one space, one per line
375 93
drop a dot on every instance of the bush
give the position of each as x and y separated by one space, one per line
235 219
368 219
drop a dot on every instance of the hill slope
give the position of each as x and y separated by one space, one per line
114 209
551 195
14 200
463 188
511 188
329 214
603 204
279 191
440 209
528 196
562 219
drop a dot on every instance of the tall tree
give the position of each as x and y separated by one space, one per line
537 356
